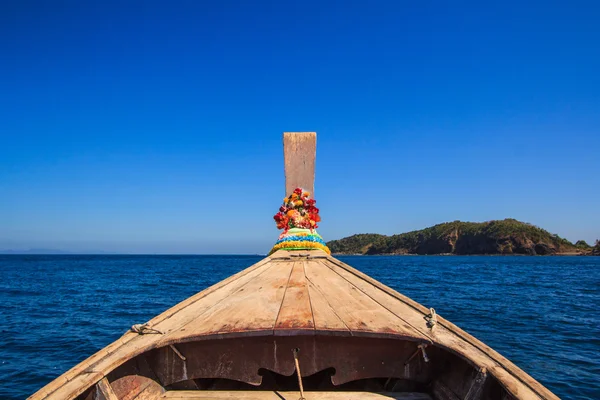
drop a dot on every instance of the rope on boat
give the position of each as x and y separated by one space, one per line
477 385
143 329
296 351
177 352
431 318
420 348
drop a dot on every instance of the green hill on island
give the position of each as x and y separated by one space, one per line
507 236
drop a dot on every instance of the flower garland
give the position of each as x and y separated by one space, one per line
298 211
298 217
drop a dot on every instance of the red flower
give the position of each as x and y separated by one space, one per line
283 223
302 207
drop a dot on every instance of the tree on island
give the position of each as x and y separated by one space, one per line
583 244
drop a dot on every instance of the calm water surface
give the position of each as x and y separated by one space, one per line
540 312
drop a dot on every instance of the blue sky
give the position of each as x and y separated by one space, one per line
155 127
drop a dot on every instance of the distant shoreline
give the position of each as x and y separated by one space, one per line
498 237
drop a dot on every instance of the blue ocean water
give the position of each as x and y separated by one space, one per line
540 312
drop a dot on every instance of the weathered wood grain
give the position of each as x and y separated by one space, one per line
359 312
83 375
516 381
299 152
134 387
105 391
404 312
295 315
264 395
252 307
326 320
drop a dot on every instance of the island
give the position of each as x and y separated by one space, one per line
507 236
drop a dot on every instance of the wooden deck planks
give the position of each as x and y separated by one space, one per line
515 380
268 395
359 312
105 390
206 303
132 344
326 320
295 315
294 295
406 313
72 388
253 307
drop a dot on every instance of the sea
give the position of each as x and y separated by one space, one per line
542 313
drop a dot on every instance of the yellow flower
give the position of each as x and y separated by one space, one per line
299 202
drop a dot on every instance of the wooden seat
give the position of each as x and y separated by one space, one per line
268 395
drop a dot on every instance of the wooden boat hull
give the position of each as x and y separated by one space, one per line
354 334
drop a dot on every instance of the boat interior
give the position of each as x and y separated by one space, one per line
331 367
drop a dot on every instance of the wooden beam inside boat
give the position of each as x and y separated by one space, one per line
276 395
477 386
299 152
104 391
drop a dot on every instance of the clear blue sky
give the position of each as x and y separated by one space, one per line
155 127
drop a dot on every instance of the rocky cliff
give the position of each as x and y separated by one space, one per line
596 249
507 236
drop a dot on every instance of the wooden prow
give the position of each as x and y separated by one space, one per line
299 152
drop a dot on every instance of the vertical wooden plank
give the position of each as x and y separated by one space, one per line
324 316
299 152
359 312
105 391
295 314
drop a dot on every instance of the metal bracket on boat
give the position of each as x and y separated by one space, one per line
143 329
431 319
296 351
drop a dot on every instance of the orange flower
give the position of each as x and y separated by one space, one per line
306 194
